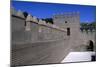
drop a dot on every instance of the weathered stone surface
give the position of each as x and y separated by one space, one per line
29 18
35 19
35 42
20 14
13 11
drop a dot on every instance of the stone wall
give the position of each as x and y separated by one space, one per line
72 21
77 37
36 42
38 30
88 35
30 30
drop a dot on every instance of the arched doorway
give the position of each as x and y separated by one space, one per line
90 46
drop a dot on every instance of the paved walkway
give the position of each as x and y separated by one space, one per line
78 57
40 53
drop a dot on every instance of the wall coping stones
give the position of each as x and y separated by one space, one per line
33 19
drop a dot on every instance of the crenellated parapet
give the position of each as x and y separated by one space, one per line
66 15
32 19
28 28
18 13
87 30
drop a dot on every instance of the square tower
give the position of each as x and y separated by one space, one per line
70 22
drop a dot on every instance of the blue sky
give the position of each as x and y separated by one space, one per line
46 10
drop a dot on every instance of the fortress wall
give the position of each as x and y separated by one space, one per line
86 36
31 30
44 43
19 35
15 23
34 32
16 18
37 41
38 30
50 33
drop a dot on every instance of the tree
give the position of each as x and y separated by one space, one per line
48 20
88 25
25 14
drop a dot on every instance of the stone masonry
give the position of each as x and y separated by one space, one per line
34 41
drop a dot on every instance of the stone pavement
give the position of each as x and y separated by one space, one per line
40 53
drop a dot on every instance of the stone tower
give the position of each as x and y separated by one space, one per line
70 22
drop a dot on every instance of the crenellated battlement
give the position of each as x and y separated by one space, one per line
32 29
28 28
66 15
33 19
18 13
89 30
